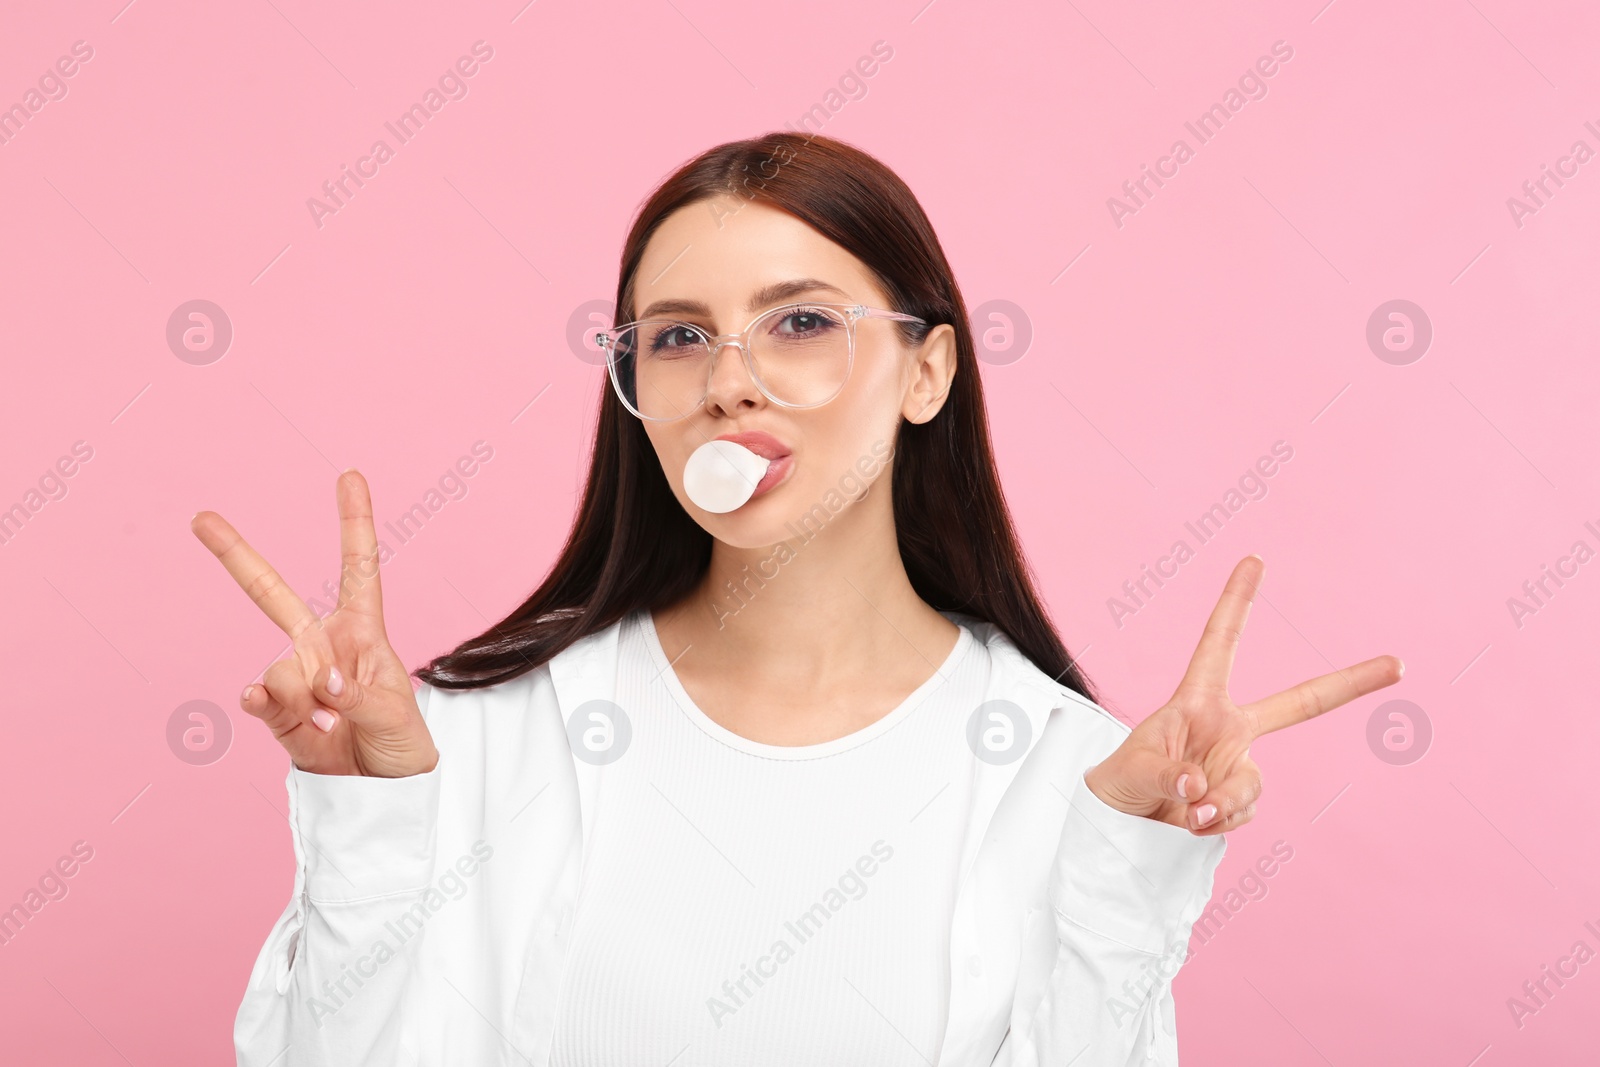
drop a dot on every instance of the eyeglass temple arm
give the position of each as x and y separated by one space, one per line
878 313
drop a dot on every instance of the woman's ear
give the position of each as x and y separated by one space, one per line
933 369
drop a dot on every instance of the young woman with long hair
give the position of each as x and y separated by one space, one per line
801 776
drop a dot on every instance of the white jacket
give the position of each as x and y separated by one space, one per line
431 914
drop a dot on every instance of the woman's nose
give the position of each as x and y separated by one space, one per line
729 380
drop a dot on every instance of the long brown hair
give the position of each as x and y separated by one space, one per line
632 545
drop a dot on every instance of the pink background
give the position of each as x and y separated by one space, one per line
1230 312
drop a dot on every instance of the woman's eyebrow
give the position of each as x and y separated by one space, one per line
775 293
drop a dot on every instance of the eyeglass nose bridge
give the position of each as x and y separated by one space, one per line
746 359
715 343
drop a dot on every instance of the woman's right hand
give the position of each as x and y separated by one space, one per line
343 702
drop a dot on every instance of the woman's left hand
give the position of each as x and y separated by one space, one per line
1189 763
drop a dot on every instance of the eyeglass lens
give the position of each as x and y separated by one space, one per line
801 355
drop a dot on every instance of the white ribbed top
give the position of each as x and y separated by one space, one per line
746 903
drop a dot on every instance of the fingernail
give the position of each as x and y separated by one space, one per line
1402 668
323 718
244 697
1183 786
335 681
1206 813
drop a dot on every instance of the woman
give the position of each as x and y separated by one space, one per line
810 780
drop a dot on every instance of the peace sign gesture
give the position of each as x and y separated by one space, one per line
1189 763
342 702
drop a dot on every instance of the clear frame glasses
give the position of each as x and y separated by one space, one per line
798 355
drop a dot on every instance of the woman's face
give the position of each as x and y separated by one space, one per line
707 265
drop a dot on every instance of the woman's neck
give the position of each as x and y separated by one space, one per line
826 619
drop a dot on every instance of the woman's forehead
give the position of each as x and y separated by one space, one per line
726 264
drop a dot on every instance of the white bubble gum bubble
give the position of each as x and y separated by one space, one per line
721 475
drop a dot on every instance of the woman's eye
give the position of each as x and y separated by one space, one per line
675 337
805 322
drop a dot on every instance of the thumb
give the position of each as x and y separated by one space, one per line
1159 777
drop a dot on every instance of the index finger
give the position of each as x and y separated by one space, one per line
1212 662
253 573
1311 698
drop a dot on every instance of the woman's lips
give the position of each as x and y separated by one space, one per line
777 470
779 459
760 442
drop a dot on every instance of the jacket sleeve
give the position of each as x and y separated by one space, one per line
335 980
1124 893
